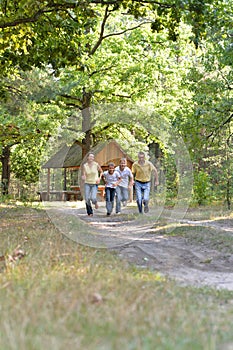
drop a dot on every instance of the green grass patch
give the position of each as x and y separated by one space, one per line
58 294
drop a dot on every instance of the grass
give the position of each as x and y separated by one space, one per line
62 295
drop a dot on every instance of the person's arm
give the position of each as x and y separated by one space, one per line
104 178
133 172
83 173
100 174
118 182
131 179
119 179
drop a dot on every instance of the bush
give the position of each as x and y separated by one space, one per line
201 188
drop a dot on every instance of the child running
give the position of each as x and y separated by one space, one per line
112 179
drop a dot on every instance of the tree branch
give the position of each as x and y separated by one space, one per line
100 71
127 30
70 129
71 97
51 7
227 121
72 103
64 6
128 96
102 36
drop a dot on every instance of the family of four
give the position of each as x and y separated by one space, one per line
118 181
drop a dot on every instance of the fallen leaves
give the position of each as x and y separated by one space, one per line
11 259
96 298
17 254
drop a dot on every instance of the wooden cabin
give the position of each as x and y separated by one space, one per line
63 181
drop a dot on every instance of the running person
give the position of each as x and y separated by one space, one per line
91 174
112 179
122 191
142 170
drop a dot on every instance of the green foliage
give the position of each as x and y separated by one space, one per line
91 53
60 34
201 187
168 168
208 127
28 118
26 162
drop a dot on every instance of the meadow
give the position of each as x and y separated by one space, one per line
57 294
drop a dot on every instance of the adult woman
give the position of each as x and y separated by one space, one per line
91 174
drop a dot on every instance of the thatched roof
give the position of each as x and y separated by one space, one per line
68 157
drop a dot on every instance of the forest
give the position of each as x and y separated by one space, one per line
152 75
142 75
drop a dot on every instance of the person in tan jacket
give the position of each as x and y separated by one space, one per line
142 171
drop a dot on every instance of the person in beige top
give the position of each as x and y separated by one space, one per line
91 174
142 170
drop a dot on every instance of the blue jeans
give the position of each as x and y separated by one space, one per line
142 190
90 196
110 195
122 195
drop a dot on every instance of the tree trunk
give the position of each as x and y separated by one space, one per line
5 160
228 194
228 182
86 122
155 152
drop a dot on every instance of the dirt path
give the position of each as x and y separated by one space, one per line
193 251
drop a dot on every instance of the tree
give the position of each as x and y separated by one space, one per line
209 129
107 51
27 119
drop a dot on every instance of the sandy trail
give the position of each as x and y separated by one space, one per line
192 251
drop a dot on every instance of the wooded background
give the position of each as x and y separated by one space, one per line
91 71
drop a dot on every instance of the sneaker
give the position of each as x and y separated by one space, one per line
90 214
96 206
108 214
118 213
146 208
124 203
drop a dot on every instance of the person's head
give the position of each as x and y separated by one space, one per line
141 156
123 163
90 156
111 168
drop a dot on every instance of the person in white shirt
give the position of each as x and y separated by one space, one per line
122 191
112 179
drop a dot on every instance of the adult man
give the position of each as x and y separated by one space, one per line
122 191
142 170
